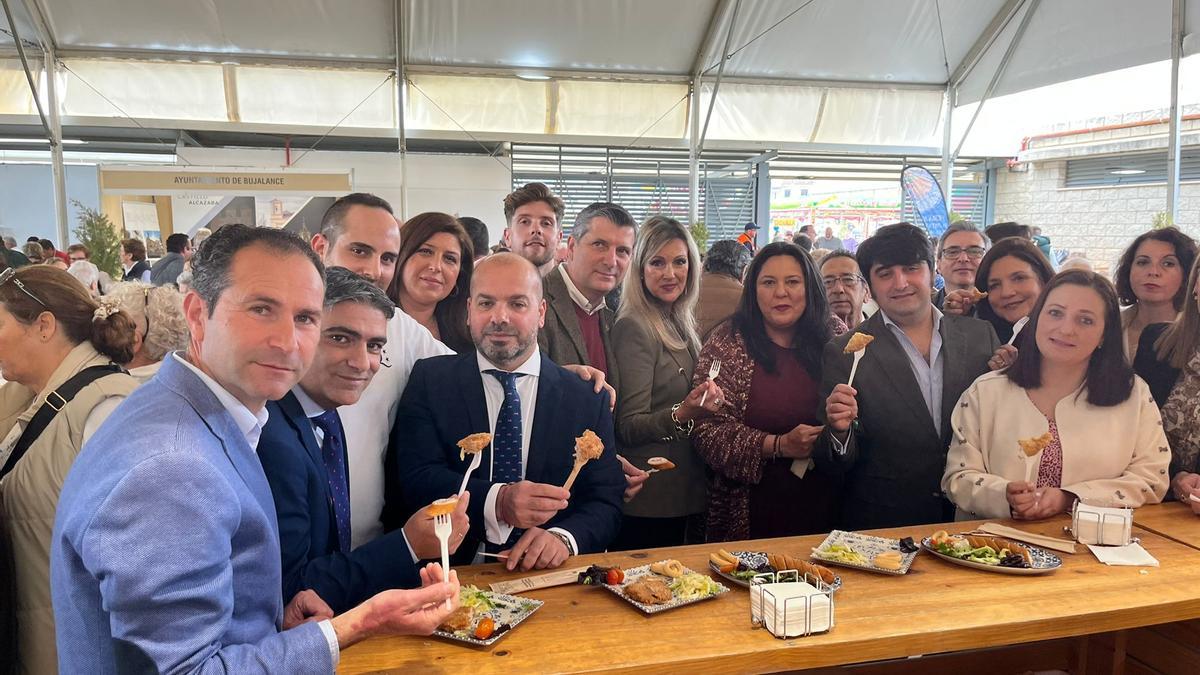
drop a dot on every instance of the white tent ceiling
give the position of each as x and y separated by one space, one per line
862 41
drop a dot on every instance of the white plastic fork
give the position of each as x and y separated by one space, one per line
854 367
713 371
1017 329
475 460
442 528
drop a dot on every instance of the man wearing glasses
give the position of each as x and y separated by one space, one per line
960 249
844 286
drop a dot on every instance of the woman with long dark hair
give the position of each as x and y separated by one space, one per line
1150 281
1091 426
1168 358
1012 273
433 276
770 353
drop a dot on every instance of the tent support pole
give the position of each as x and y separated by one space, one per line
694 153
1177 27
401 86
947 158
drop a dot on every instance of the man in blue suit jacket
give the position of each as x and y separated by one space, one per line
534 410
308 475
165 554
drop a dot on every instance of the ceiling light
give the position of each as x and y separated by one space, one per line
41 141
1118 171
536 77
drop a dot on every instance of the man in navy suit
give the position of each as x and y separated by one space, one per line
165 553
303 452
534 410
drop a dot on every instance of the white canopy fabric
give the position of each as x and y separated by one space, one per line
860 72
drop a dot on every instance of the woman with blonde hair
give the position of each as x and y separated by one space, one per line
59 351
157 314
656 343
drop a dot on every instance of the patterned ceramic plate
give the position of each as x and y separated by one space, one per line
868 546
755 560
636 573
507 612
1044 561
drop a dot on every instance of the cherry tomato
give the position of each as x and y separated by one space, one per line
485 628
614 576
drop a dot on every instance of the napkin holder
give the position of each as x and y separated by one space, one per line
1101 525
790 605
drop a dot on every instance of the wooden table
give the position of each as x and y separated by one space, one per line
937 607
1173 520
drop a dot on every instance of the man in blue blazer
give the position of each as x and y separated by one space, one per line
534 410
304 454
165 553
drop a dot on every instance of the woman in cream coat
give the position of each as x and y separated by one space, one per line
1101 436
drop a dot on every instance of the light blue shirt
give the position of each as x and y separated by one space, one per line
929 374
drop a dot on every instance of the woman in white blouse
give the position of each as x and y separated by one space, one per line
1103 438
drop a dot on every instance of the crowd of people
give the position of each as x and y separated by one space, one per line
226 457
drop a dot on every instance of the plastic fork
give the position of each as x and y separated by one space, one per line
442 528
475 460
713 371
1017 329
854 367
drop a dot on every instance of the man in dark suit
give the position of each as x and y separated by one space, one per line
578 319
303 452
534 410
891 430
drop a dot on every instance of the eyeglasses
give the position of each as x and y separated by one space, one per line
146 310
847 281
11 273
973 252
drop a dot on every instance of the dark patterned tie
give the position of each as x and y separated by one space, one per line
333 452
506 442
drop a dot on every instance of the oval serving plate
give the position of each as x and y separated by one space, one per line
754 559
1044 562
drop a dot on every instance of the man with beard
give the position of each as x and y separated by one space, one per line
845 286
534 215
534 410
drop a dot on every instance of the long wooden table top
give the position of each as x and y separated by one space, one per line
937 607
1173 520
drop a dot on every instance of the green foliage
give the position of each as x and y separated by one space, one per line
956 216
700 233
96 232
1161 219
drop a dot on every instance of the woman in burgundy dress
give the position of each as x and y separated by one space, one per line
758 445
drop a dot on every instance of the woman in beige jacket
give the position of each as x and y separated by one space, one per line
51 330
1067 420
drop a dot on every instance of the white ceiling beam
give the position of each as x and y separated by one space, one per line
985 41
709 43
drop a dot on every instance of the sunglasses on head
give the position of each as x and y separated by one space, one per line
11 274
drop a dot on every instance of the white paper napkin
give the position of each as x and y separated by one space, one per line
801 466
1130 554
787 619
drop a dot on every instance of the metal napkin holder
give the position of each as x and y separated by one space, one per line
757 583
1089 524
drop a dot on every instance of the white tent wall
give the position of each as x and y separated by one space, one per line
462 185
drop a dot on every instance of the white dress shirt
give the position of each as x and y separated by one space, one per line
251 425
577 295
312 409
368 423
493 392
